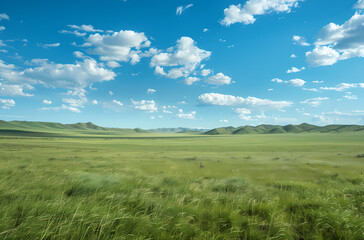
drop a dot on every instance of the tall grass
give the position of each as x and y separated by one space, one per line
106 191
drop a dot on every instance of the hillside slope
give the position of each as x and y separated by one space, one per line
25 128
276 129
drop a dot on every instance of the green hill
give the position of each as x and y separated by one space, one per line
275 129
25 128
292 129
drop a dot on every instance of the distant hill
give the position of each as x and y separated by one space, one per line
177 130
276 129
15 128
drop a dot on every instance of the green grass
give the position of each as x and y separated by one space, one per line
150 186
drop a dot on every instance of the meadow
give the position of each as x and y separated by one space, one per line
181 186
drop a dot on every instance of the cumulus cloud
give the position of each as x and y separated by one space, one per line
7 103
71 76
159 71
94 102
14 90
219 79
359 4
184 58
343 86
338 42
350 96
191 115
315 102
2 28
205 72
191 80
181 9
47 102
246 14
151 91
123 46
112 64
293 82
244 113
300 40
145 105
249 102
295 70
4 16
293 56
322 56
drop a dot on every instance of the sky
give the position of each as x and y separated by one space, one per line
182 63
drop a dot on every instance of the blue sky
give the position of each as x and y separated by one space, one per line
149 64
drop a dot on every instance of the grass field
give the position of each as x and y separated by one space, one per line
175 186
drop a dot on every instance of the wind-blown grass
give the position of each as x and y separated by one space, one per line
304 186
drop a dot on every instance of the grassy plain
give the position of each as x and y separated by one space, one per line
175 186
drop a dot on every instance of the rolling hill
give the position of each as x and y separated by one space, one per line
49 129
276 129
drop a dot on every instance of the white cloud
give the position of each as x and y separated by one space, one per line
71 76
75 32
316 81
117 103
14 90
296 82
224 121
293 56
145 105
205 30
79 54
343 86
350 96
4 16
159 70
310 89
359 4
315 102
2 28
191 115
50 45
293 82
205 72
94 102
63 107
300 40
244 113
185 58
111 93
181 9
191 80
112 64
151 91
249 102
252 8
123 46
7 103
338 42
85 28
46 102
295 70
322 56
219 79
